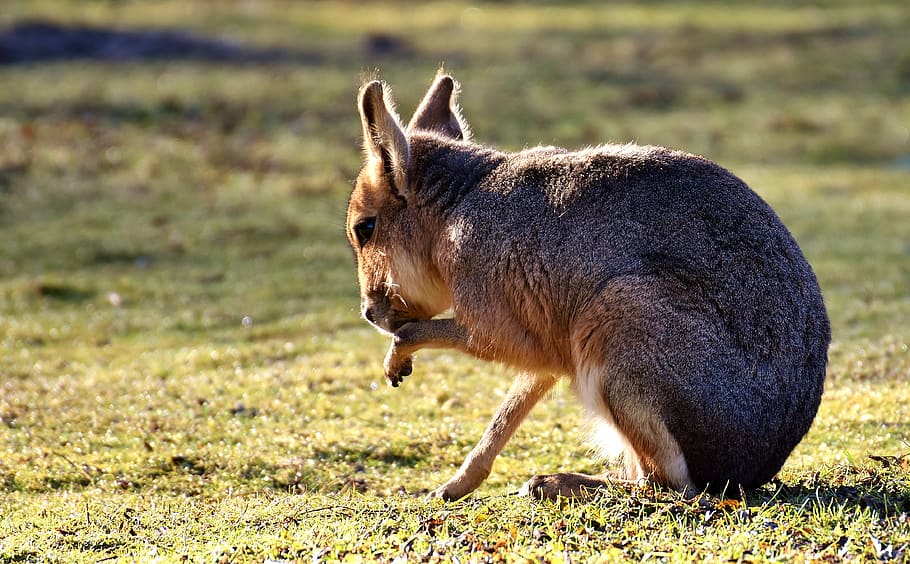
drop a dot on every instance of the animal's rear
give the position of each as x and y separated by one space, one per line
722 326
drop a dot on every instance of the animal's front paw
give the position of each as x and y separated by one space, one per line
438 493
397 367
446 492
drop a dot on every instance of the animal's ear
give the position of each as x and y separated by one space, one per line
383 137
439 111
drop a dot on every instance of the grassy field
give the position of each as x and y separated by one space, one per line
184 375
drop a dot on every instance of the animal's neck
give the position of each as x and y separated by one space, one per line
445 171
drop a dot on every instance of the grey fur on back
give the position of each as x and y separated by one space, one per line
729 334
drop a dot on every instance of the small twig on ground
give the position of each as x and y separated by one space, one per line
74 465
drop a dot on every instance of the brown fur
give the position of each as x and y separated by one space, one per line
681 309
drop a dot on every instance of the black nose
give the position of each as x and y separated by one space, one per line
368 315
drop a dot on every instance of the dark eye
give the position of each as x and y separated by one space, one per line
364 230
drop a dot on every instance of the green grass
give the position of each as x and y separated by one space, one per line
146 210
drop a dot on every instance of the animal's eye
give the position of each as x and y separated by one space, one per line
364 230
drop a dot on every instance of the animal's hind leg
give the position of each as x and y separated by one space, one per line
649 448
608 444
607 441
659 455
625 383
630 429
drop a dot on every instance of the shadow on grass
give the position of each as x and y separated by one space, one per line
340 469
407 456
62 291
40 41
884 491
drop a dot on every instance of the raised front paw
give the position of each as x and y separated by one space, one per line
397 367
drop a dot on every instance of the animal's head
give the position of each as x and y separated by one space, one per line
392 238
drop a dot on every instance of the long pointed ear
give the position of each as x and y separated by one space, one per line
383 137
439 112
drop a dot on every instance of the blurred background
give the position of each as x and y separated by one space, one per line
220 138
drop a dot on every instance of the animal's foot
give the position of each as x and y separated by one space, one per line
396 368
555 486
440 493
398 361
452 490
